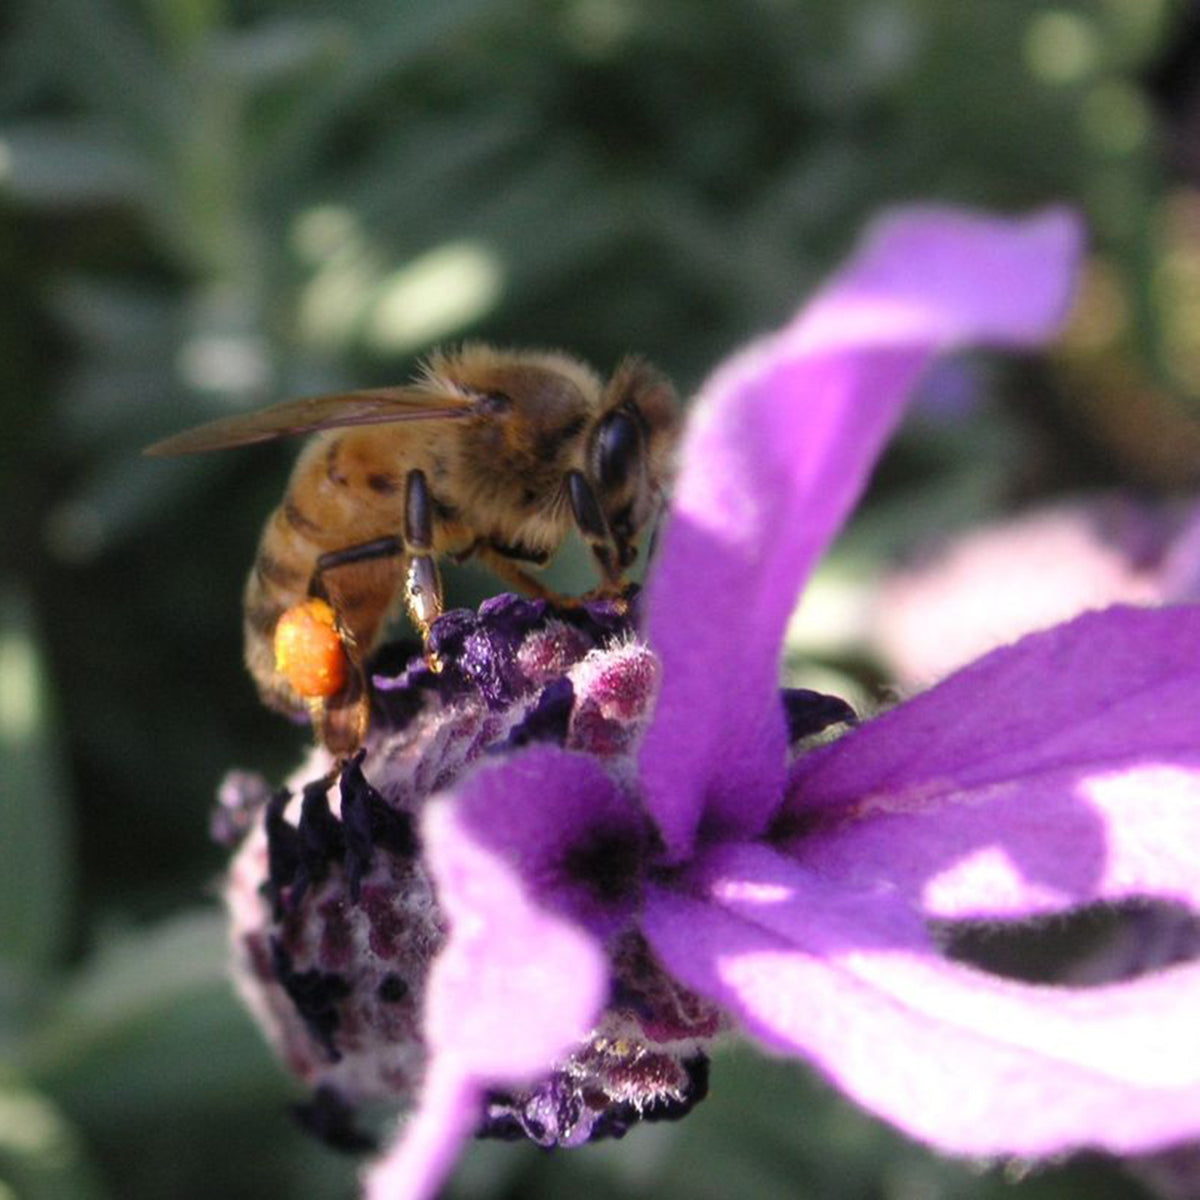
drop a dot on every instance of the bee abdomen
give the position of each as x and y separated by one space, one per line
279 579
274 572
297 519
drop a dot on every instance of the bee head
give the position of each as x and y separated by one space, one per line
545 418
629 452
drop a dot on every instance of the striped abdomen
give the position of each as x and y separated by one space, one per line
340 494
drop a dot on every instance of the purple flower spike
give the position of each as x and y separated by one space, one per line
630 843
780 445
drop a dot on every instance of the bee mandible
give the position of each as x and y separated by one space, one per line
488 454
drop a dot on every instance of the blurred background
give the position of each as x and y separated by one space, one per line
207 205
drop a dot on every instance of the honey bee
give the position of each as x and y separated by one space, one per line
487 454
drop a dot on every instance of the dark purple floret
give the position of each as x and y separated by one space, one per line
242 794
478 653
553 1115
570 1110
450 631
320 839
479 649
618 1120
402 679
370 823
511 616
315 994
283 852
488 661
810 712
330 1119
392 989
549 718
604 618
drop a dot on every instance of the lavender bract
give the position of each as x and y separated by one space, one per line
660 814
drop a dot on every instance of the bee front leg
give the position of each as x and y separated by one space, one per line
423 583
589 518
503 566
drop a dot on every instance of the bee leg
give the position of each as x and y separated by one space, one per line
341 720
384 547
502 565
589 518
656 523
461 556
423 584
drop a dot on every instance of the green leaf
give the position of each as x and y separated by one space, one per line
35 829
384 44
276 50
106 60
133 978
61 164
42 1155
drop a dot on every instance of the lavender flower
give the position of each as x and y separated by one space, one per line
334 916
990 584
654 849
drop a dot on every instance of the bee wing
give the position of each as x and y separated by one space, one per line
376 406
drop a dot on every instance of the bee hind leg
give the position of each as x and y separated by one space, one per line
341 719
384 547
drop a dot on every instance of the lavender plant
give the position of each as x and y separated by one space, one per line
568 864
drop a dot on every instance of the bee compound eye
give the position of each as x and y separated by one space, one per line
618 449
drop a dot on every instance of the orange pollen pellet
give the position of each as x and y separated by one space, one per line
308 650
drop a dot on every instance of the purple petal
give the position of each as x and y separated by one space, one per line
424 1152
1056 772
780 445
514 988
967 1062
551 814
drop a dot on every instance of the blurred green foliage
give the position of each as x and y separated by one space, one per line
207 205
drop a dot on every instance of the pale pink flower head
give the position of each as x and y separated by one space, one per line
986 586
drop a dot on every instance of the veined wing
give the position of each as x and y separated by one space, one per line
374 406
